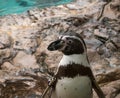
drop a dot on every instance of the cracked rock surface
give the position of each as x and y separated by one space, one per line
25 60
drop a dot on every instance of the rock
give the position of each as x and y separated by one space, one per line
112 10
102 33
104 51
93 43
23 87
114 61
111 90
24 40
116 40
24 60
110 75
111 46
27 45
6 55
4 40
8 66
79 4
110 83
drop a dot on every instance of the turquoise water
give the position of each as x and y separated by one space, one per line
19 6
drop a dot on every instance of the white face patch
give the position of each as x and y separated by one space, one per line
75 58
74 37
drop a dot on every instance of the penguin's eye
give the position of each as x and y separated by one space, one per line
70 41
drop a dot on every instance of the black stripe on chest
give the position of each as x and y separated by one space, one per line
73 70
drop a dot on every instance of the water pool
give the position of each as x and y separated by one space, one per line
19 6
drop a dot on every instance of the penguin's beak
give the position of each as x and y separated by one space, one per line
56 45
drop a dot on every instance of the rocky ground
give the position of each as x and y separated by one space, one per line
25 60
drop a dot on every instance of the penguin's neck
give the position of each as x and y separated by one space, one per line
71 66
80 59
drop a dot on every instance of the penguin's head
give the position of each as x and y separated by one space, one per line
69 43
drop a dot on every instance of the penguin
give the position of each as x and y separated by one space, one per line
74 77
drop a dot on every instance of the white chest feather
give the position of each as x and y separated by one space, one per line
75 58
78 87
